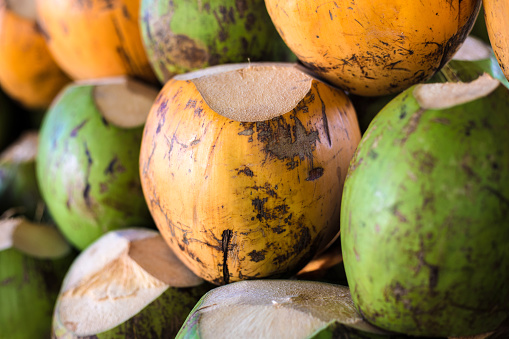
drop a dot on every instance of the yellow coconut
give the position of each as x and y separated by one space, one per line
243 166
28 72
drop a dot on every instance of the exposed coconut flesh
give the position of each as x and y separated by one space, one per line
23 8
38 240
123 101
450 94
275 309
473 49
115 278
22 150
251 92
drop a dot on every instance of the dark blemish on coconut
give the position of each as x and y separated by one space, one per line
257 256
241 7
225 244
76 129
397 213
110 169
246 171
250 22
279 229
470 126
105 122
190 104
108 5
324 116
258 205
86 195
125 12
286 142
314 174
198 111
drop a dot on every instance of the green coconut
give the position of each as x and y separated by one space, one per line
87 163
18 183
425 211
278 309
127 284
33 262
181 36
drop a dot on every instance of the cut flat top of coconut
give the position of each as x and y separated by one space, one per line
275 309
108 283
123 101
24 8
22 150
251 92
449 94
473 49
38 240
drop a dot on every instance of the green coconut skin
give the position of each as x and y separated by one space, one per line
162 318
425 215
28 290
180 36
87 169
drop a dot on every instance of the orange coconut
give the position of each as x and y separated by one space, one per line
496 15
94 38
28 72
374 47
242 167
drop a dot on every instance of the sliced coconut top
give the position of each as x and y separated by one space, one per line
23 8
22 150
251 92
38 240
123 101
473 49
115 278
449 94
275 309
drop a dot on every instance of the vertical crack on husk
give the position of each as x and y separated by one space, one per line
227 235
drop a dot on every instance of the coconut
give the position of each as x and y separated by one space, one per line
126 284
88 158
242 167
18 183
33 262
28 72
425 211
95 39
277 309
182 36
373 48
495 14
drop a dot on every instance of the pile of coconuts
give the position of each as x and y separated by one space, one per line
254 169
